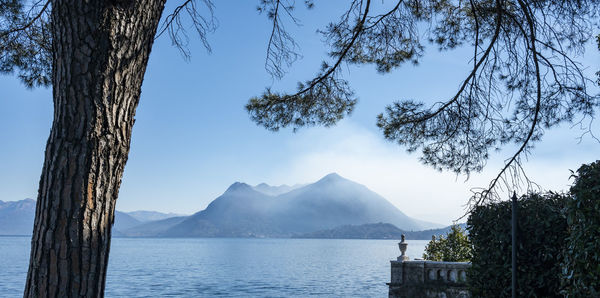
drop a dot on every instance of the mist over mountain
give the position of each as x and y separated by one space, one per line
334 201
246 211
275 190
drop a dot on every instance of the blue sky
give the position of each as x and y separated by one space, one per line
193 138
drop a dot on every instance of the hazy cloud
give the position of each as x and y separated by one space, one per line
363 156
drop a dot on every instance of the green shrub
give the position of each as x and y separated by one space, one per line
455 247
582 257
541 234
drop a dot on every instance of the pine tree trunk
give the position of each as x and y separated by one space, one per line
100 51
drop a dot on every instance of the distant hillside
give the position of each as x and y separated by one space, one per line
366 231
426 234
145 216
373 231
246 211
152 228
123 221
16 217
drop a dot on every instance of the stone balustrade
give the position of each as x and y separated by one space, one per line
445 272
421 278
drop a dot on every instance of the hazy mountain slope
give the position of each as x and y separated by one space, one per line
124 221
16 217
152 228
333 201
145 216
240 212
274 190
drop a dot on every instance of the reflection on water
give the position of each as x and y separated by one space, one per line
143 267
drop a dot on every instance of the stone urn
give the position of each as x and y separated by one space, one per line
402 245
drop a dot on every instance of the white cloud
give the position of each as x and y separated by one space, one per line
363 156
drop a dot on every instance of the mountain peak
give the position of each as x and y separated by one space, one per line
332 177
238 186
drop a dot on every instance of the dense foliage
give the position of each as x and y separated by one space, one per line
455 247
25 41
582 258
542 229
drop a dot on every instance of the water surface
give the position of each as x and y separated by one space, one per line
208 267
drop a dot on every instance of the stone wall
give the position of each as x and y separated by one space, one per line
428 279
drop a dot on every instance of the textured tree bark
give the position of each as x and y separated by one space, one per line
101 50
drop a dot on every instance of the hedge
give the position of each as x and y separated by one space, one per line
582 257
542 230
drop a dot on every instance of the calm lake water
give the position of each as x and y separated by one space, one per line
147 267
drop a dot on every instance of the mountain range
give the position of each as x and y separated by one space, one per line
253 211
16 218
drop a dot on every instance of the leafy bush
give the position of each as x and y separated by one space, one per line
541 234
582 258
455 247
